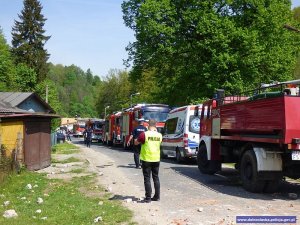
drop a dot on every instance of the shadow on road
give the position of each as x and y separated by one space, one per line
228 182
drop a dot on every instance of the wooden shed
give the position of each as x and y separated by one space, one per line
25 126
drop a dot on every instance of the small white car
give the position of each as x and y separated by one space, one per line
181 134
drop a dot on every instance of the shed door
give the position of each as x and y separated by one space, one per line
37 144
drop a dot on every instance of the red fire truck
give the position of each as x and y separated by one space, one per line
78 127
130 116
112 129
258 131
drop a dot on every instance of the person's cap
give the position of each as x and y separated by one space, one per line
141 120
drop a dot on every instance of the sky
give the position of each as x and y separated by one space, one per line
87 33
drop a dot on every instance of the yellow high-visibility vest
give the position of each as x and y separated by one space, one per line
150 151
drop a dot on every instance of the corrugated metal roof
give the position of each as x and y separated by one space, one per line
5 108
14 98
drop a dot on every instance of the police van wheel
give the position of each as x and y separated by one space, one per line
179 158
162 155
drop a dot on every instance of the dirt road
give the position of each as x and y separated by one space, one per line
187 197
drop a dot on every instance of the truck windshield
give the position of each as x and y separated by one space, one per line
98 125
158 116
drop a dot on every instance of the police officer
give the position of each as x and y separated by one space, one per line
150 158
137 148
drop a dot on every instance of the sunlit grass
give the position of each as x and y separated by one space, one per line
63 204
65 148
68 160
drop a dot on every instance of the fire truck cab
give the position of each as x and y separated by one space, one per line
130 116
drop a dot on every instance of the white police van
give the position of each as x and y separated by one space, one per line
181 134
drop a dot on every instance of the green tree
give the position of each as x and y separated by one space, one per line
28 39
296 15
25 79
196 46
114 91
7 71
53 99
77 90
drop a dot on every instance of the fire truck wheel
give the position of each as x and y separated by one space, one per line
272 186
204 165
249 174
124 144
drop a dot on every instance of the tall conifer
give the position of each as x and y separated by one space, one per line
28 39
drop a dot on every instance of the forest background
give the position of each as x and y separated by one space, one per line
183 51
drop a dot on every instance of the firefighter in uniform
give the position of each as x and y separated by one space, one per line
150 158
137 148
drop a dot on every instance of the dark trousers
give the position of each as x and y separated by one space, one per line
136 154
88 143
148 169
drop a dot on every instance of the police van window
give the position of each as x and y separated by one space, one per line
171 125
180 126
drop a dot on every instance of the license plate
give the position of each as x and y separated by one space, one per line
295 155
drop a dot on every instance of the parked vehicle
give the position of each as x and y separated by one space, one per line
130 116
79 127
258 131
97 126
60 137
112 129
181 134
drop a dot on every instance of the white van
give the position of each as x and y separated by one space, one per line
181 134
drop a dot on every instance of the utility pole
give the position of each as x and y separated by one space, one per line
138 93
47 93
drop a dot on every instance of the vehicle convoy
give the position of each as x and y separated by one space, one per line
97 128
130 116
112 129
260 133
181 133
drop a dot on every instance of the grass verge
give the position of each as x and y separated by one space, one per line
65 148
63 204
68 160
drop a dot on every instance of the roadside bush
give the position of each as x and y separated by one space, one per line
5 163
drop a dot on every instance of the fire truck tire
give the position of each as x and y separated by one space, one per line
249 174
179 158
272 186
204 165
124 144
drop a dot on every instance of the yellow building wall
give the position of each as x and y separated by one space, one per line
9 133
